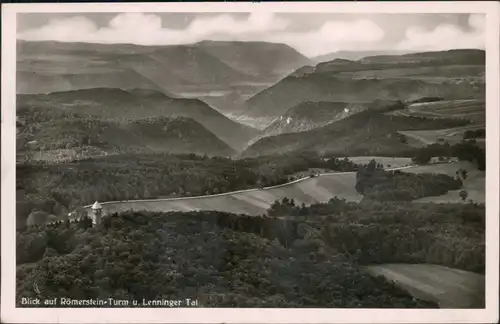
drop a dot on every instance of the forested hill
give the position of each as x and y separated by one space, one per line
114 104
366 133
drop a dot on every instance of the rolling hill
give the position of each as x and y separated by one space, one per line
112 104
80 137
457 74
44 67
366 133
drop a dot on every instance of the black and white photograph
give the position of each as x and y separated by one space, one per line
249 159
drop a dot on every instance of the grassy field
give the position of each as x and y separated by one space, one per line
450 135
307 191
471 109
253 202
451 288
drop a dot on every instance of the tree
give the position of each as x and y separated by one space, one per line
38 217
372 165
463 195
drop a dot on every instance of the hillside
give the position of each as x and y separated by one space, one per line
309 115
112 104
366 133
258 59
471 109
451 75
44 67
79 137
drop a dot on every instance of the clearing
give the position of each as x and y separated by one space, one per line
450 135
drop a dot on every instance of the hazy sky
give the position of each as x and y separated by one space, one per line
310 33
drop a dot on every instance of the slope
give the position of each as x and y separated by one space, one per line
451 288
309 115
120 105
57 139
365 133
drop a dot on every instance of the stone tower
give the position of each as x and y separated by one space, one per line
97 213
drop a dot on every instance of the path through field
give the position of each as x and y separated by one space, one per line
450 288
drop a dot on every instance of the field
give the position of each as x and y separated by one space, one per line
254 201
451 288
430 73
307 191
471 109
450 135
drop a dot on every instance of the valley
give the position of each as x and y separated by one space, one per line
253 173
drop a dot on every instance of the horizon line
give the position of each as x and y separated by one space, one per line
415 51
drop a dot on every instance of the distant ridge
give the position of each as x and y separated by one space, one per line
355 55
114 104
50 66
397 77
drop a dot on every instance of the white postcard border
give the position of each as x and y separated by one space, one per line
10 314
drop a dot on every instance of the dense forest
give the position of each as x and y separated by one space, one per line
374 232
313 257
57 188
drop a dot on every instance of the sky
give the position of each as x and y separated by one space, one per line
312 34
